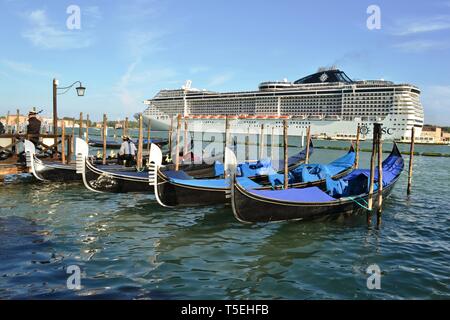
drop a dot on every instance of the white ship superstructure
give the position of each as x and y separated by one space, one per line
328 101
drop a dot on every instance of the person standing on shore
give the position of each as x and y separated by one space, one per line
2 128
34 127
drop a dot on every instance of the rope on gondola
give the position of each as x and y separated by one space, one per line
361 205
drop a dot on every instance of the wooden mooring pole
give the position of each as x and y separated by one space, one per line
63 142
87 128
17 121
69 149
125 132
55 117
308 139
302 140
411 160
185 137
72 135
140 143
149 128
372 173
104 138
17 131
7 128
80 132
285 148
247 145
358 133
380 174
170 135
272 145
225 143
177 147
261 142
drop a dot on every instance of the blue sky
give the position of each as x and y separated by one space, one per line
126 51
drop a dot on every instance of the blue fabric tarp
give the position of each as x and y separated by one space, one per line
180 175
258 168
315 172
357 182
311 194
216 183
247 169
353 184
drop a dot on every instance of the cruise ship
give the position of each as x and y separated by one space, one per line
329 101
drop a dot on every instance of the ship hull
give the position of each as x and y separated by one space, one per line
342 130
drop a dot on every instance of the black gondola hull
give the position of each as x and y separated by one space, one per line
118 181
52 171
252 209
104 181
172 194
56 174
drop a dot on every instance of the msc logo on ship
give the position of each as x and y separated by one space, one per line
365 130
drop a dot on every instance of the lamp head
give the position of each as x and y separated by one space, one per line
80 90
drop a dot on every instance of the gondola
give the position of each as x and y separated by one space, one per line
44 170
177 188
98 179
101 179
48 170
347 195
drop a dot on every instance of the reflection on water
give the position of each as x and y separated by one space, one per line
129 247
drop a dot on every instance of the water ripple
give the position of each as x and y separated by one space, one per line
129 247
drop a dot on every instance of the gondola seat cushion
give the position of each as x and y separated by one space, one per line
306 195
214 183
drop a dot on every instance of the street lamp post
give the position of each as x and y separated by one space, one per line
80 92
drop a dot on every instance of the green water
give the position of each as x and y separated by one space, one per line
128 247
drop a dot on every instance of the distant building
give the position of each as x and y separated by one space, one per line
12 120
433 134
446 136
46 123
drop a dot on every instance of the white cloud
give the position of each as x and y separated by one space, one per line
139 10
24 68
90 16
198 69
417 46
141 43
436 104
45 34
131 89
220 79
93 12
409 27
